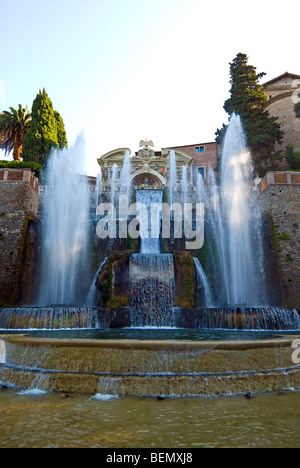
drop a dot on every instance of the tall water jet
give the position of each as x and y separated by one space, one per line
98 189
113 182
234 224
184 184
65 227
125 178
172 182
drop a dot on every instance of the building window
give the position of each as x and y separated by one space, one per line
199 149
202 172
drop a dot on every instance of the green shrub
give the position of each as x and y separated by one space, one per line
285 236
35 167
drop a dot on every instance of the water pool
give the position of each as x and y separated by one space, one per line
154 334
50 420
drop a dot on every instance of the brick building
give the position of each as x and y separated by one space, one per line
204 155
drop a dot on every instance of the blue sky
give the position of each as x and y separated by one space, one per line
126 70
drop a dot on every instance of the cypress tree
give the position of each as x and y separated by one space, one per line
247 98
61 132
46 131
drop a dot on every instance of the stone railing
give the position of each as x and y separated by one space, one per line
20 175
279 178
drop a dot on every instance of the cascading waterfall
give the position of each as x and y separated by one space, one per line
91 297
2 352
65 227
49 318
151 273
250 318
152 290
203 281
150 226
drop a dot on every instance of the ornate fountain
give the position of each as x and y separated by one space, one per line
156 279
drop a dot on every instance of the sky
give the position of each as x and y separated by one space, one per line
125 70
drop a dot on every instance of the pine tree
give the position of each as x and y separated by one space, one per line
46 131
247 98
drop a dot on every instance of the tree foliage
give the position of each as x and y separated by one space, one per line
14 126
293 157
297 108
247 98
61 132
46 131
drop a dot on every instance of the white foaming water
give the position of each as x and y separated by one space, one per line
2 352
65 226
104 397
32 392
235 178
36 389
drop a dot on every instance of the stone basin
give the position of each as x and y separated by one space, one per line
149 367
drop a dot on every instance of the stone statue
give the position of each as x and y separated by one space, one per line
146 143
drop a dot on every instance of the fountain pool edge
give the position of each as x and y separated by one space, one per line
147 368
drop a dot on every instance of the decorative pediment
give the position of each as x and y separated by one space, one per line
113 157
148 167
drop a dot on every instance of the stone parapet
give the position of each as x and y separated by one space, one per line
279 178
20 175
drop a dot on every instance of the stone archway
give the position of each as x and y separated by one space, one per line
149 179
146 180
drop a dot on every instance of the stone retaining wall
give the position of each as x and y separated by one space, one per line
281 205
19 202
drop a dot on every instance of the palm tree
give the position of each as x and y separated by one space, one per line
13 127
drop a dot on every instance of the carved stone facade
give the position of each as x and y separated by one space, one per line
283 92
149 168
